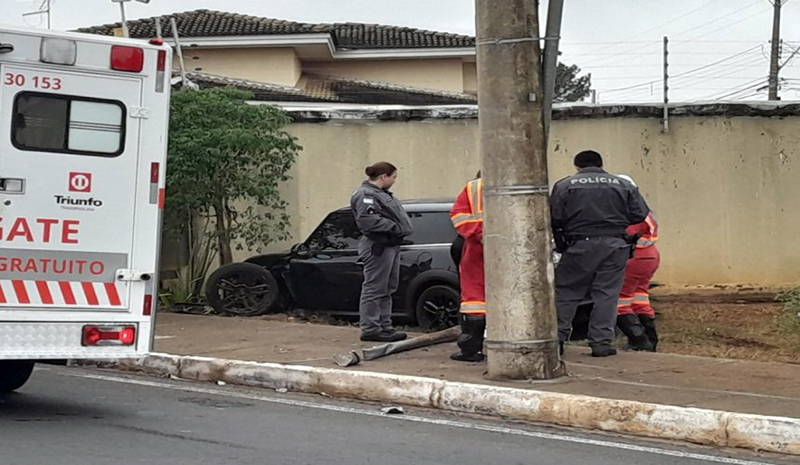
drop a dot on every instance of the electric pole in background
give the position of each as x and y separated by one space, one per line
522 340
774 66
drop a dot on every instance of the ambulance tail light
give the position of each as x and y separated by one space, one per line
125 58
147 308
95 335
161 66
58 51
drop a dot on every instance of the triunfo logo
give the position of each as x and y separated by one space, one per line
66 201
80 182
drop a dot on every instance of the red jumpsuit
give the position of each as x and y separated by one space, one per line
635 296
467 217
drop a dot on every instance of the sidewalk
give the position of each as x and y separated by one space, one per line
685 381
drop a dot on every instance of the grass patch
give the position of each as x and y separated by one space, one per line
789 320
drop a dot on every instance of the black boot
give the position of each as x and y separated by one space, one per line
649 324
602 350
632 328
471 340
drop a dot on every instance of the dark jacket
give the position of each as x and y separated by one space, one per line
595 203
379 215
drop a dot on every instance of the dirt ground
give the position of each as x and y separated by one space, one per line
742 330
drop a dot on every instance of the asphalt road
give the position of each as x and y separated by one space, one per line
77 416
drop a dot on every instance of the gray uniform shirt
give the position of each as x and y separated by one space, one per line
378 213
595 203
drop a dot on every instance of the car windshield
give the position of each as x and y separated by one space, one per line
339 231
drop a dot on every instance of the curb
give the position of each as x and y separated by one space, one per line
700 426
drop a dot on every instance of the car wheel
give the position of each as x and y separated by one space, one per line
437 307
14 373
242 289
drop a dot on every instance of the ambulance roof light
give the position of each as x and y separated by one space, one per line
58 51
126 58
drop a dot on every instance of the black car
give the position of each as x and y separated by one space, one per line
323 273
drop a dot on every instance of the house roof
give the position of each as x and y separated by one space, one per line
208 23
315 88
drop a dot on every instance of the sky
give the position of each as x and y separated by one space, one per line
718 49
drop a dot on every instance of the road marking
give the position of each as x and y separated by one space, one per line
416 419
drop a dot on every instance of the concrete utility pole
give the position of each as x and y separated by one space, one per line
522 340
774 58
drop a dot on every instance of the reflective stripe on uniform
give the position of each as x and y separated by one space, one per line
624 302
475 195
641 299
649 239
473 307
462 218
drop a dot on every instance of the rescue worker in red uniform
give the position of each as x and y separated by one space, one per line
467 218
635 317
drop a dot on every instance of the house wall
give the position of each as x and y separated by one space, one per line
272 65
435 74
470 77
723 189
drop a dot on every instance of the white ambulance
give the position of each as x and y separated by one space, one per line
83 140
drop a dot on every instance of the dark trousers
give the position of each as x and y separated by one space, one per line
381 279
594 267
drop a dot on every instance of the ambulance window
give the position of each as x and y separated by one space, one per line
66 124
95 127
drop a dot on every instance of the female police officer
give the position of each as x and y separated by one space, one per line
384 225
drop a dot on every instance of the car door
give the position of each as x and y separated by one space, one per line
429 249
68 163
325 274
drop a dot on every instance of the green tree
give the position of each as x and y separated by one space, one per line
226 161
570 87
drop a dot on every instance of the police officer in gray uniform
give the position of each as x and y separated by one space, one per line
384 225
589 213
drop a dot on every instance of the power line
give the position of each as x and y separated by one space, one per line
731 24
746 7
758 2
744 87
731 57
661 25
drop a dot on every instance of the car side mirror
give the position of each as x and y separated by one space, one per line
300 250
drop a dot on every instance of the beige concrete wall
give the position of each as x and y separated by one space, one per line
724 190
273 65
470 77
437 74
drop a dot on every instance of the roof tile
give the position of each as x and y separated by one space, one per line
208 23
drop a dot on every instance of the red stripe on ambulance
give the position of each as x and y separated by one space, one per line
113 295
91 295
61 293
44 292
22 293
66 292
